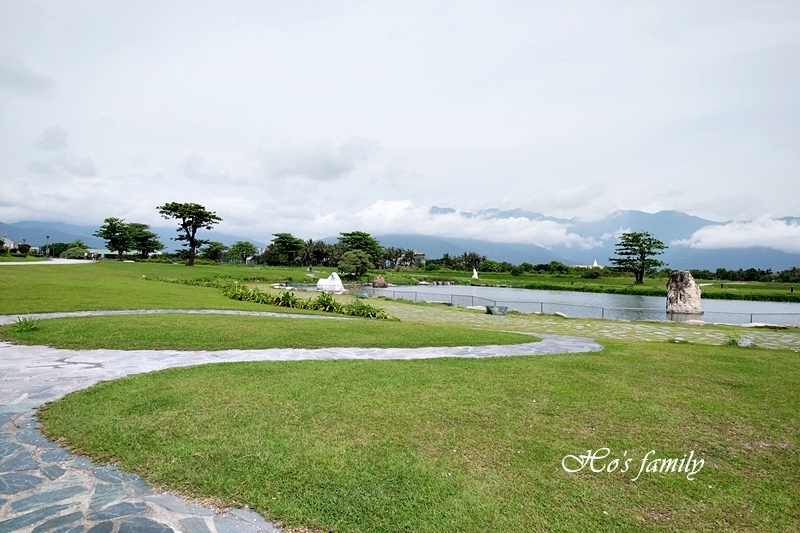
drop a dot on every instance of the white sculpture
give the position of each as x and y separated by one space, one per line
330 284
683 294
474 274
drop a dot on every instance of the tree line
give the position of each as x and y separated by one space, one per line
356 252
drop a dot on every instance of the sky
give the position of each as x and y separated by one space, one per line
316 118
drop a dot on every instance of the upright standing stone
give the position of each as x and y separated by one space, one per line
683 294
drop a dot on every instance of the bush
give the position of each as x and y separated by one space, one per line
26 324
74 253
325 302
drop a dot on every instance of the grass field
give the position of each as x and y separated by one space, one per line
465 445
432 445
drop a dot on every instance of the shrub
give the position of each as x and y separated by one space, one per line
325 302
26 324
74 253
286 299
360 309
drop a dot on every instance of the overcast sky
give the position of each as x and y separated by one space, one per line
320 117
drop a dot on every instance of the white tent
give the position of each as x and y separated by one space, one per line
330 284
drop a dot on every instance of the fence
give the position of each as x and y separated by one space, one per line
588 311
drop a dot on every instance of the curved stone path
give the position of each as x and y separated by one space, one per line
45 488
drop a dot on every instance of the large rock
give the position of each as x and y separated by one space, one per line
330 284
379 282
683 294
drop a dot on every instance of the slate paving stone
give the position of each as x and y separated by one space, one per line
102 527
55 455
44 498
7 449
228 525
143 525
14 483
109 474
52 472
105 494
58 522
19 462
70 529
83 463
173 503
29 436
118 510
195 525
28 519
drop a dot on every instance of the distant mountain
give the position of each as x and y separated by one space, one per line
436 247
668 226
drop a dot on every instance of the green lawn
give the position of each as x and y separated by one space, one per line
465 445
422 445
221 332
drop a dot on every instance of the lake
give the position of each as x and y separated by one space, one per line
596 305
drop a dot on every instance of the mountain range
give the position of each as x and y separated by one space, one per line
667 226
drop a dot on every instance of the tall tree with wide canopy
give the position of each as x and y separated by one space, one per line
117 235
285 249
191 217
359 240
635 251
143 240
242 250
214 250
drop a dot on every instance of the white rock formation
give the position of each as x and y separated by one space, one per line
330 284
683 294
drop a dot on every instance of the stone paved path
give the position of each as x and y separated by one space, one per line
45 488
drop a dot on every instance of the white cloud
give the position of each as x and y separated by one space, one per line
319 160
568 109
53 138
84 167
16 75
772 233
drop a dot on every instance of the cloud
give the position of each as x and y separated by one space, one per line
777 234
400 216
17 76
84 168
196 169
53 138
319 160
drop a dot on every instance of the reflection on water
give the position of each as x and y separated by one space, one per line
598 305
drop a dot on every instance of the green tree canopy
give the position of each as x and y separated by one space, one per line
634 254
354 263
116 234
191 217
214 251
285 249
242 250
359 240
143 240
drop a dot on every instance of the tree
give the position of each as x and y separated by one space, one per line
354 263
117 235
358 240
635 251
242 250
214 251
192 217
143 240
284 249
